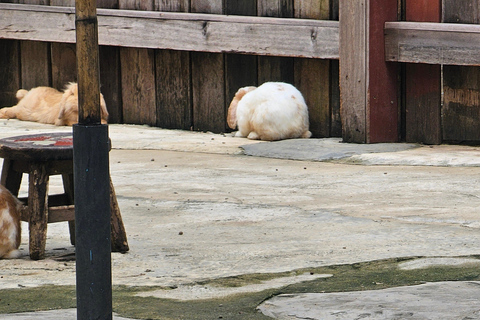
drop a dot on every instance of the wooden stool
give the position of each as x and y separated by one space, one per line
41 156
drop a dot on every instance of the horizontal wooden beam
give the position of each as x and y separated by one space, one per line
178 31
433 43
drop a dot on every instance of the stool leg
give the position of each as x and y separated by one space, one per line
38 209
117 234
69 188
11 179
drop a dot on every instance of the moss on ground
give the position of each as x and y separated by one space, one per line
354 277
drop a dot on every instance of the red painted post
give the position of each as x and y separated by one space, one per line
423 84
369 85
382 103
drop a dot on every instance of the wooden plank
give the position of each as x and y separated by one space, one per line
63 3
461 85
64 62
9 64
275 68
173 80
138 86
312 76
110 73
208 79
206 6
336 119
432 43
63 55
137 4
10 79
422 84
35 58
240 70
138 76
369 94
35 62
178 31
172 6
353 70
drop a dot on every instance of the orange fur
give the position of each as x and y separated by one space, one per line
48 105
232 109
10 227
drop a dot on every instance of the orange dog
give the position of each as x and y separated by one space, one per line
48 105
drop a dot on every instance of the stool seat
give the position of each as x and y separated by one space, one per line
41 156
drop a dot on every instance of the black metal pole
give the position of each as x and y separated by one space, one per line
91 177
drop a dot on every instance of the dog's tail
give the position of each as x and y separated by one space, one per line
21 94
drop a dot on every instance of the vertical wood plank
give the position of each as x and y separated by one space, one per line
63 3
461 107
64 64
208 79
110 73
35 61
312 76
353 69
173 79
138 76
275 68
369 86
63 56
138 86
240 70
336 119
172 5
174 108
35 58
10 66
422 84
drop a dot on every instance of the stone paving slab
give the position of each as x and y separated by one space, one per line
432 301
195 208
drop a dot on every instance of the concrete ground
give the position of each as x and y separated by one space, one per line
199 207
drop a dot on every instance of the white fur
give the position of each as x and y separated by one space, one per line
273 111
9 224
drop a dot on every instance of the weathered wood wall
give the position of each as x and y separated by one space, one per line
192 90
181 89
461 85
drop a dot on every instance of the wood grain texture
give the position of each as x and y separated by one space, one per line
208 79
10 66
240 70
36 69
173 80
137 4
353 69
64 64
275 68
432 43
312 76
138 86
423 84
461 105
174 108
179 31
172 6
38 210
138 76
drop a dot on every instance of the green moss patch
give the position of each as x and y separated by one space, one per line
354 277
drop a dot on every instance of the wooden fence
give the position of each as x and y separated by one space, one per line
177 64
